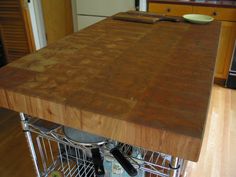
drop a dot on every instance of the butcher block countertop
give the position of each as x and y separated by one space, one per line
144 84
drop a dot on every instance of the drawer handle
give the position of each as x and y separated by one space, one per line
214 14
168 9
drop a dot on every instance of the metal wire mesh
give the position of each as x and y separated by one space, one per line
56 153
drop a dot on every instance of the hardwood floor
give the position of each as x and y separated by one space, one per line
218 152
15 160
216 160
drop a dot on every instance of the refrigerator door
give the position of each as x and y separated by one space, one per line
92 11
104 7
85 21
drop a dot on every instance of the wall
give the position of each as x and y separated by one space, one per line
36 16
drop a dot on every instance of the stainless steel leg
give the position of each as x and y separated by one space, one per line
25 127
175 167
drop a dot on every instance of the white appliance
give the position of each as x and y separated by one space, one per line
91 11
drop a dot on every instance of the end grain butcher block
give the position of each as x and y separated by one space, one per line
143 84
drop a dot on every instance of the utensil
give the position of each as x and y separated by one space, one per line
89 140
198 18
43 125
142 17
148 14
138 155
128 167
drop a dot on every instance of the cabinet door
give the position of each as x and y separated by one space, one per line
223 14
225 49
57 18
16 29
226 14
169 9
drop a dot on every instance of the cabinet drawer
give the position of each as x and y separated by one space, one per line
170 9
224 14
203 10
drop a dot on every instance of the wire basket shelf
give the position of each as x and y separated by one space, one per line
58 155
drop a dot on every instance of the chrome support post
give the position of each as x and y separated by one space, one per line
175 167
25 127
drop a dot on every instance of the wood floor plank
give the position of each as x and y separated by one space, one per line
14 154
219 145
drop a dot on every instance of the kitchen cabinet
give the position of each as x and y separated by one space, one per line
16 29
228 28
225 49
227 36
223 14
170 9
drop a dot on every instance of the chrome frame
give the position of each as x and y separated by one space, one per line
25 127
52 150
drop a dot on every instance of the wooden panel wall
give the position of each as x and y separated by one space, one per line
16 29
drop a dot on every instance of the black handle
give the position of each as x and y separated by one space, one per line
97 162
169 19
128 167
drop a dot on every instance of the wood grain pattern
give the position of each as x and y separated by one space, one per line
15 158
18 40
216 158
124 16
146 85
228 30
